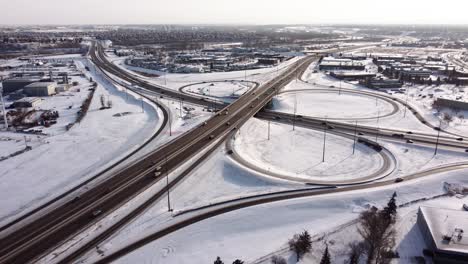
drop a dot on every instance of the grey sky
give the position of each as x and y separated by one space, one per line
232 11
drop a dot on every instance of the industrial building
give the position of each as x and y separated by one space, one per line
443 232
379 83
27 102
351 75
13 85
450 103
330 64
40 89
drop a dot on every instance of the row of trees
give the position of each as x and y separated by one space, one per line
376 228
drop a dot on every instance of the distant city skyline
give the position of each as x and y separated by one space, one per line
232 12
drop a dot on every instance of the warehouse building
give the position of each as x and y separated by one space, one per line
40 89
351 75
13 85
379 83
450 103
27 102
341 65
443 232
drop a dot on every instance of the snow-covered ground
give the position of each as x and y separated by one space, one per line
298 153
63 159
254 232
331 104
220 89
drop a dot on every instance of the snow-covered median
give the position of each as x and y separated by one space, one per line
299 153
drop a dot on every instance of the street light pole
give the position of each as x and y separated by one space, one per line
295 110
169 209
377 134
3 108
324 139
269 129
437 141
406 102
355 132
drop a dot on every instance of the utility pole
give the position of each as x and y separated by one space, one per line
170 125
3 107
377 134
295 110
142 108
339 91
406 102
324 139
269 129
437 141
180 103
169 209
355 132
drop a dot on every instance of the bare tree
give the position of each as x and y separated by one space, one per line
300 244
378 234
278 260
103 102
448 118
461 117
356 250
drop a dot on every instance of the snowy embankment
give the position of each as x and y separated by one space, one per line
238 234
69 157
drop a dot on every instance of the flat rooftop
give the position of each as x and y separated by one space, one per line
445 222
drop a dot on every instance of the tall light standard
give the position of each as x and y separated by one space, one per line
169 209
324 138
269 129
378 130
437 141
295 110
406 101
355 132
3 108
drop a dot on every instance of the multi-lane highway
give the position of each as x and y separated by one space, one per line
34 238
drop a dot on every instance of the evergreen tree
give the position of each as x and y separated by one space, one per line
218 261
238 261
300 244
325 257
390 210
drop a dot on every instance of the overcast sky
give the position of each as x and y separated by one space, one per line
233 11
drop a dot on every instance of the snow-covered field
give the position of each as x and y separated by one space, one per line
331 104
254 232
299 153
220 89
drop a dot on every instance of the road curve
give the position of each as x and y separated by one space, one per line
388 166
65 195
391 102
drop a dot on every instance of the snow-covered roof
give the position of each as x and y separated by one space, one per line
447 222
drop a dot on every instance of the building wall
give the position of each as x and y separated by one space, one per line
452 104
9 87
40 91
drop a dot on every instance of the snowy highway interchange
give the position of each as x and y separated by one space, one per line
321 151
